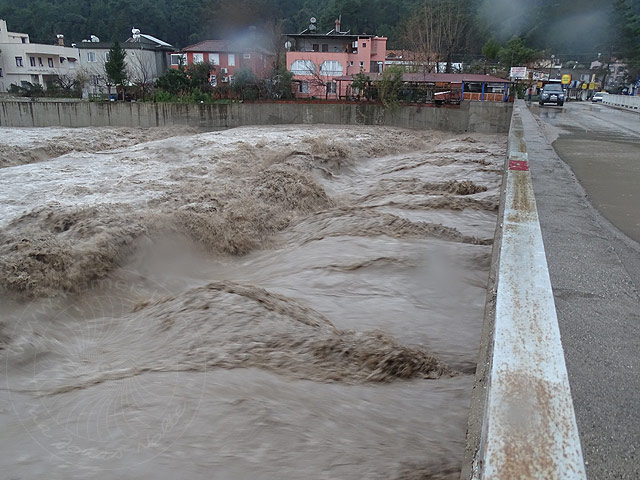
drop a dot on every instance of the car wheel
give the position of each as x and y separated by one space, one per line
541 104
560 104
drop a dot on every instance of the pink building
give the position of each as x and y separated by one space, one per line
228 58
316 60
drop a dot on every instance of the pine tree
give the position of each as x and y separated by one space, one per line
115 67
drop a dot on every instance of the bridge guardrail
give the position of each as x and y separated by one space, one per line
622 101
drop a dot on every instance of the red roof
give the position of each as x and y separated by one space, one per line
218 46
438 77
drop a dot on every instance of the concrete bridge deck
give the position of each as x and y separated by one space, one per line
594 273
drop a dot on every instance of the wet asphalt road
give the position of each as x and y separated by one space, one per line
584 156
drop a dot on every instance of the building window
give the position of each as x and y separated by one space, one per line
303 67
198 58
325 47
364 44
213 80
19 62
316 47
246 56
331 87
232 60
177 58
91 57
32 61
361 64
40 61
24 39
106 56
1 74
50 62
214 58
351 63
331 67
95 80
303 87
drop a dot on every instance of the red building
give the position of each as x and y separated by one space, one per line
228 57
317 60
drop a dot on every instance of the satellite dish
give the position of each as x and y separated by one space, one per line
313 20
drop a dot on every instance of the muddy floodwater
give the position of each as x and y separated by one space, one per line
264 303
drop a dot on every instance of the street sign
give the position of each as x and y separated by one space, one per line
566 79
518 72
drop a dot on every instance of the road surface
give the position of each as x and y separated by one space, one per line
594 265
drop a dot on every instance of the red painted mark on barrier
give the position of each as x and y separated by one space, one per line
519 165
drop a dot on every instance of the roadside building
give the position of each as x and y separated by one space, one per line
451 88
23 63
147 58
228 57
317 60
615 76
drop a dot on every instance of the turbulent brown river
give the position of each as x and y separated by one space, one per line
256 303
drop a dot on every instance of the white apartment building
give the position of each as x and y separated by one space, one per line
147 58
22 61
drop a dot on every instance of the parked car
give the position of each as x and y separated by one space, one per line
598 96
552 93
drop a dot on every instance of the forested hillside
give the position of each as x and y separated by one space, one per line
563 26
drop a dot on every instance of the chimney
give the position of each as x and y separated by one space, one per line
60 38
337 22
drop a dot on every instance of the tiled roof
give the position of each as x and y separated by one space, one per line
215 46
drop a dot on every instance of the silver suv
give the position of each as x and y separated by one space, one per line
551 93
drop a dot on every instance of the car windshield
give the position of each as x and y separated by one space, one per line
553 88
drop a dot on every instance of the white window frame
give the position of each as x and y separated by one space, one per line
214 58
19 62
331 68
246 56
303 67
213 80
304 87
177 57
231 61
50 62
198 58
106 56
32 61
332 88
91 57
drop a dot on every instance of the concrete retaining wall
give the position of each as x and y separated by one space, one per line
483 117
526 426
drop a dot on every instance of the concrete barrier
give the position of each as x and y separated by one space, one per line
482 117
622 101
527 428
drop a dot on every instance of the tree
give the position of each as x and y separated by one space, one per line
390 85
141 71
436 29
200 75
515 52
361 84
174 81
115 67
244 84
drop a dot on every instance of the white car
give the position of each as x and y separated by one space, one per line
598 96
